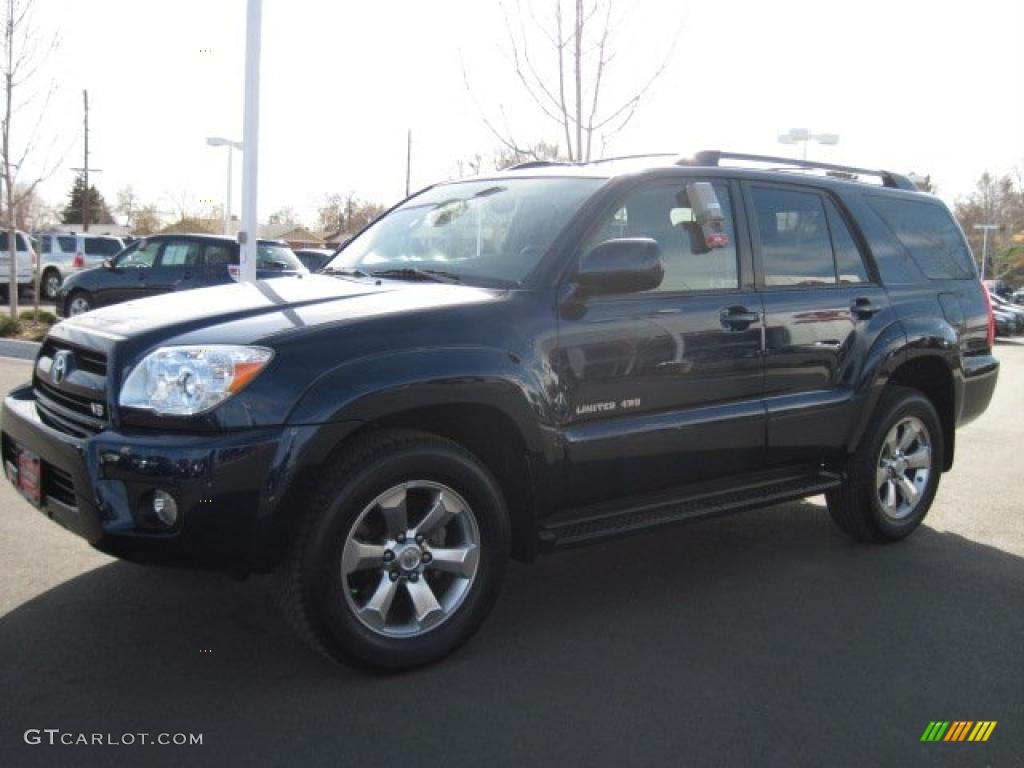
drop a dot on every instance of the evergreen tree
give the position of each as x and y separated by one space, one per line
99 213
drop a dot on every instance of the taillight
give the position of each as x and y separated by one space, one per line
78 261
991 317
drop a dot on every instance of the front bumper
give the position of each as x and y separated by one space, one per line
229 487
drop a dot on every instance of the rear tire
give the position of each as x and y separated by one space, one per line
892 477
372 578
50 283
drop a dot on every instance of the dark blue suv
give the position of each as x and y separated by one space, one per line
165 263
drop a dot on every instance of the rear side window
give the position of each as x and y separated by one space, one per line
219 256
849 259
45 242
98 246
20 244
929 233
67 244
180 255
795 244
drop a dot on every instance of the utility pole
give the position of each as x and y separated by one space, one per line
408 160
86 197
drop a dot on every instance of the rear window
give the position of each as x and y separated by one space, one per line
98 246
929 233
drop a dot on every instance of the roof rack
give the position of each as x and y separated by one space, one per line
714 156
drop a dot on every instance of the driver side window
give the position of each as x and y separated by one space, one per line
141 255
664 212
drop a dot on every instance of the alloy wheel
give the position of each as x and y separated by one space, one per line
411 559
904 465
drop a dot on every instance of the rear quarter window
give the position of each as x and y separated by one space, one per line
929 234
97 246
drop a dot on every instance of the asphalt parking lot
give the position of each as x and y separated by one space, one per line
761 639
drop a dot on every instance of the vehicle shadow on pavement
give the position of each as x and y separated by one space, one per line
767 638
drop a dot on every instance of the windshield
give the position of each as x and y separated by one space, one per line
483 231
279 257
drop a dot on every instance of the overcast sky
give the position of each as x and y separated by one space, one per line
932 87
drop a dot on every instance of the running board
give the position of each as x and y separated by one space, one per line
585 528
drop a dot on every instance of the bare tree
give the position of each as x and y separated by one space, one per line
566 81
284 217
24 52
127 203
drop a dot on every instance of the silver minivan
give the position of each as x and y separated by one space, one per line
64 253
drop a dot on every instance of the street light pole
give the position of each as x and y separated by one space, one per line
985 228
218 141
249 233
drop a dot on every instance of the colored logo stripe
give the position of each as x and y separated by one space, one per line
958 730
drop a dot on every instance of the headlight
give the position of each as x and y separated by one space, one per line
184 381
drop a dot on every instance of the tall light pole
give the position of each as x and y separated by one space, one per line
217 141
803 136
249 233
986 228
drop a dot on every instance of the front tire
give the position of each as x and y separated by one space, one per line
79 302
893 475
401 555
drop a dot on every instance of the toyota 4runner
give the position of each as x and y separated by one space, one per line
545 357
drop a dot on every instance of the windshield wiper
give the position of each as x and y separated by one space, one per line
413 273
346 272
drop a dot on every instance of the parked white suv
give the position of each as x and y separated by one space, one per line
64 253
25 259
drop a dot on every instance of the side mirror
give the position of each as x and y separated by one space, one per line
108 263
623 265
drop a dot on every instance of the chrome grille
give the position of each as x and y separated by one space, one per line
74 403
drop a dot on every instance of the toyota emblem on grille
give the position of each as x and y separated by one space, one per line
60 366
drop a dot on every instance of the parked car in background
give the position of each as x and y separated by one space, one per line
1007 315
314 258
999 288
165 263
64 253
1018 297
1006 323
26 257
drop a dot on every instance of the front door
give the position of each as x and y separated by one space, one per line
823 312
130 277
663 388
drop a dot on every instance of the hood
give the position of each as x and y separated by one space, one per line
250 311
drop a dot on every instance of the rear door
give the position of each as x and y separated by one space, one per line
823 311
663 388
178 268
216 259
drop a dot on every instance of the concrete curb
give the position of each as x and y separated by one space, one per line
23 350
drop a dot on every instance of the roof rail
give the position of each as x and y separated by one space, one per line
714 156
534 164
543 163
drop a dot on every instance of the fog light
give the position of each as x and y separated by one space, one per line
165 508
